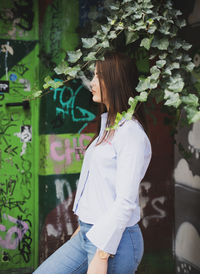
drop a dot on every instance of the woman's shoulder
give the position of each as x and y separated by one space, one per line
131 131
130 134
130 126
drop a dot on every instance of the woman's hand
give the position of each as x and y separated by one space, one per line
98 265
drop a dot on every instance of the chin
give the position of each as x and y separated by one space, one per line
96 100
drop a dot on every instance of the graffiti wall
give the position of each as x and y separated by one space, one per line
187 205
187 191
65 129
18 167
187 165
36 207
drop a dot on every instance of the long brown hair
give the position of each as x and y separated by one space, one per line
118 74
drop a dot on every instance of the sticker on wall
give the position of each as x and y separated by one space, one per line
4 86
185 248
194 139
183 175
25 136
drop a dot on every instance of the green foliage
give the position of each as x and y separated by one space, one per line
153 26
51 83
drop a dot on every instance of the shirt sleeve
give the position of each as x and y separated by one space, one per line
133 151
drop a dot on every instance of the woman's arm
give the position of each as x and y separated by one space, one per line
133 156
75 232
99 264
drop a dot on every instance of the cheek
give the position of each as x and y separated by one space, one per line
96 82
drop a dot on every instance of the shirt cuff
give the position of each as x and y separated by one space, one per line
106 237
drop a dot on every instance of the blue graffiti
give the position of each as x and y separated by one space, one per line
68 106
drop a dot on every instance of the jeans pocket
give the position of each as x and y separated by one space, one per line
137 242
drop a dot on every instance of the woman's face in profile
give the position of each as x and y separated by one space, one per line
95 89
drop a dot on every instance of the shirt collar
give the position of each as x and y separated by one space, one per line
104 117
103 120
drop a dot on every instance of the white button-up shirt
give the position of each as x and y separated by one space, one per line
108 190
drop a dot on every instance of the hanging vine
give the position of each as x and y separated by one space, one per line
149 24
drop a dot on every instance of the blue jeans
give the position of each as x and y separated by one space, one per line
75 255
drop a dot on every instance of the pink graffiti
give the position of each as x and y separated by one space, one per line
15 234
61 150
54 153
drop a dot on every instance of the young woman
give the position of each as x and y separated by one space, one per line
108 239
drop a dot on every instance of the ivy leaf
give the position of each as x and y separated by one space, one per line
155 73
114 6
178 12
61 68
89 42
129 114
165 29
120 26
144 84
72 71
153 83
131 37
100 35
90 57
74 56
37 93
167 71
191 100
181 23
146 42
163 55
132 103
126 1
112 21
190 66
173 99
112 34
161 44
186 58
152 29
152 56
143 96
174 65
104 44
176 84
186 46
140 25
106 28
51 83
196 117
193 115
137 16
118 117
177 44
160 63
92 67
129 11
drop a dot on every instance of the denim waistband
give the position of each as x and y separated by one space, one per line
84 224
